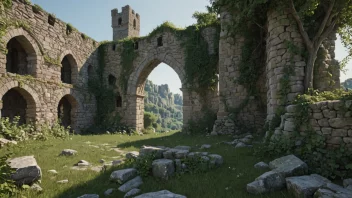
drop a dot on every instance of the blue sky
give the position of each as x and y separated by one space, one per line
93 17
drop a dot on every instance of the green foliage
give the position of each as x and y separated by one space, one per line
149 119
205 18
13 130
7 185
36 8
144 164
70 28
202 125
196 164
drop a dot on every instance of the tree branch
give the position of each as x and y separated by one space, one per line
304 34
327 18
326 33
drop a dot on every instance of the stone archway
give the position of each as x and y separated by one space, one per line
137 80
23 55
17 101
67 111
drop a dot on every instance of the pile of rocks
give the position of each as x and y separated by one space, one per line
169 161
224 126
242 141
290 172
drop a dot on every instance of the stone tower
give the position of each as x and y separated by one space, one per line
125 24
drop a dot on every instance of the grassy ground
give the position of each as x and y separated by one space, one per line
227 181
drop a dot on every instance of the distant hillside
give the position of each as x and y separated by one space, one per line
165 105
347 84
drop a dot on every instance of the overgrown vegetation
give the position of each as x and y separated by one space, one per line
14 130
7 186
203 125
310 146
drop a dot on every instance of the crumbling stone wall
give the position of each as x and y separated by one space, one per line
43 90
150 55
332 119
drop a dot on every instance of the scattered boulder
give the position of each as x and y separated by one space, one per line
241 145
205 146
289 165
197 154
89 196
163 168
175 153
65 181
273 181
52 172
132 155
305 186
3 142
82 163
347 182
216 160
36 187
109 191
27 170
188 148
68 152
134 183
132 192
338 189
122 176
116 162
261 165
149 150
256 187
161 194
246 140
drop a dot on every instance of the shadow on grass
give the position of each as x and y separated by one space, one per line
227 181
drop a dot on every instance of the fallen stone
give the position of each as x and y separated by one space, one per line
52 171
304 186
216 160
134 183
122 176
65 181
324 193
82 163
116 162
188 148
160 194
132 192
205 146
68 152
273 181
338 189
175 154
109 191
163 168
178 165
241 145
246 140
89 196
197 154
150 150
132 155
289 165
347 182
257 187
36 187
3 142
261 165
27 170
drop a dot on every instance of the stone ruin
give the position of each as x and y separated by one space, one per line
44 76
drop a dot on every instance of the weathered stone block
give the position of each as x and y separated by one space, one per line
27 170
122 176
134 183
163 168
304 186
289 165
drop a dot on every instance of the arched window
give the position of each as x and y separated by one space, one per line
134 24
66 70
14 104
90 71
66 111
160 41
120 21
112 80
118 101
16 58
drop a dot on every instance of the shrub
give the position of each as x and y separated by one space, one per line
149 119
203 125
7 186
144 164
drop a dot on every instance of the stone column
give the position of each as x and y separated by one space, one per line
282 33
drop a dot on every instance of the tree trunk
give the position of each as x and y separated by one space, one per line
308 79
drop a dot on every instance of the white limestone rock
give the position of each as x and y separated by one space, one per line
122 176
27 170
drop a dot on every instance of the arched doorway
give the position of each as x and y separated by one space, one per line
137 84
17 102
20 57
66 111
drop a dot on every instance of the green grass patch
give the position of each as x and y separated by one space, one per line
227 181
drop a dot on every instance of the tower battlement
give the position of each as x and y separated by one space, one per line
125 23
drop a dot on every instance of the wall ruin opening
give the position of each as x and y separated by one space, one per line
21 57
69 69
18 102
66 111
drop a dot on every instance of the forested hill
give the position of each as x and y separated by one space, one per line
347 83
165 105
